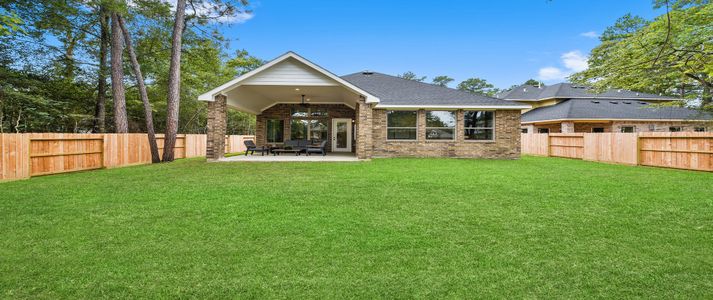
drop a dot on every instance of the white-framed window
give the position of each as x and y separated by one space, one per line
597 129
699 129
523 130
674 129
628 129
440 125
479 125
543 130
401 125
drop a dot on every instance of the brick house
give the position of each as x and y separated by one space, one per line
366 113
568 108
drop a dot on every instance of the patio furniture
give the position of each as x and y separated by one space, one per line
251 148
279 151
317 149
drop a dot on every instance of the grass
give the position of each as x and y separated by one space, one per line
389 228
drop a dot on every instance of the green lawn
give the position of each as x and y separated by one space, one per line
389 228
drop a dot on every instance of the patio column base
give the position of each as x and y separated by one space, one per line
215 143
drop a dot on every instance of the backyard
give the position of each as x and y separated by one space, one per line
388 228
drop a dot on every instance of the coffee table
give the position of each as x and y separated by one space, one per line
295 151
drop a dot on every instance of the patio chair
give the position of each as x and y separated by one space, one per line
317 149
252 148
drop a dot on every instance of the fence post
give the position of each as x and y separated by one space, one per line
638 149
549 148
101 162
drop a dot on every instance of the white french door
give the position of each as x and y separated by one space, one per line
341 135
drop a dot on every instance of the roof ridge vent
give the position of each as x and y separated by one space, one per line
367 72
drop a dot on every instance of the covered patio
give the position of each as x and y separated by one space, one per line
293 100
332 157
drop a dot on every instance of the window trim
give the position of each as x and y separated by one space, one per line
401 140
455 127
494 137
602 128
695 129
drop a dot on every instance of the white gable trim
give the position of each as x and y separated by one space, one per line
235 82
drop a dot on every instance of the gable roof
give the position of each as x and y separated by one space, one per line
208 96
396 92
568 90
611 109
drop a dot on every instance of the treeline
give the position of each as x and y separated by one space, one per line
56 64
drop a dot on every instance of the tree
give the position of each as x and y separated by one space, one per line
121 122
672 54
442 80
148 114
174 82
477 86
534 82
411 76
100 107
9 22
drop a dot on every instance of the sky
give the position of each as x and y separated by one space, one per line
504 42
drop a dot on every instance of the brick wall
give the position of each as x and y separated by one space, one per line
215 139
506 143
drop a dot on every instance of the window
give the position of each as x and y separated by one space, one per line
628 129
401 125
300 112
598 129
317 130
523 130
699 129
674 128
309 123
478 125
440 125
543 130
275 129
299 129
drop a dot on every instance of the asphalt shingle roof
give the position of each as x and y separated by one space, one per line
392 90
611 109
568 90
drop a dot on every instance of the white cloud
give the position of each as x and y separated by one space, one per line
575 61
589 34
551 73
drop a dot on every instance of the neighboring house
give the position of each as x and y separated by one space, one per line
566 108
371 114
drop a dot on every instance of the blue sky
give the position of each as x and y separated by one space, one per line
505 42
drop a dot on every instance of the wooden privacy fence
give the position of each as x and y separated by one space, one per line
680 150
33 154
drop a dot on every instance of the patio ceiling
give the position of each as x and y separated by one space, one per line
256 98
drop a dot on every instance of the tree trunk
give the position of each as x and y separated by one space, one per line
121 122
174 82
155 158
100 108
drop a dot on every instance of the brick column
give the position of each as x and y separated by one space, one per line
215 144
364 140
567 127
